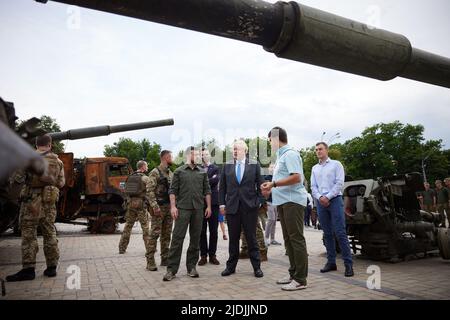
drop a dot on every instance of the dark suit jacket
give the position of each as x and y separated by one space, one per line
212 171
248 193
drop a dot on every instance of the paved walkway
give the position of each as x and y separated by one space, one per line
107 275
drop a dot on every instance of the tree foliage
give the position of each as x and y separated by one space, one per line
48 124
392 148
135 151
382 150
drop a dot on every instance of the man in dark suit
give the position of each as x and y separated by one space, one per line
213 221
239 199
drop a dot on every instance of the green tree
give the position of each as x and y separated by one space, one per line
135 151
391 148
446 154
47 124
259 149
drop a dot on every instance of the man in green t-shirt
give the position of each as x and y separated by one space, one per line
428 198
442 200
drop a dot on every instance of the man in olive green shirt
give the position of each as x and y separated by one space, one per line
428 198
188 190
443 197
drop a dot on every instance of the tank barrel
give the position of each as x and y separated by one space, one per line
91 132
292 31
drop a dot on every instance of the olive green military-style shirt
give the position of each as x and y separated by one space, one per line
442 196
428 197
190 186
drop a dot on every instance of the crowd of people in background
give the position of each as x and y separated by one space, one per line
437 200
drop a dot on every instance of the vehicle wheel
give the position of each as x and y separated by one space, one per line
444 243
108 225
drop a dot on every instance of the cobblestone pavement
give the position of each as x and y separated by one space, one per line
107 275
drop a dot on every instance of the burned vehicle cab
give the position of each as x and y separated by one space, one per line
94 191
384 220
355 194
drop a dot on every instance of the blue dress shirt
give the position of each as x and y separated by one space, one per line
327 179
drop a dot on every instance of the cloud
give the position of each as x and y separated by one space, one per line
117 70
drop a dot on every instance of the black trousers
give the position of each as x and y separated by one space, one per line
213 223
246 219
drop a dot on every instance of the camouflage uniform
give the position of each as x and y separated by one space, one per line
160 180
38 208
262 213
259 238
137 210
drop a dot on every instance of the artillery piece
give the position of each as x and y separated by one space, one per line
384 220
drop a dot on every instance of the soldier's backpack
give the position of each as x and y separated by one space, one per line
50 176
134 186
162 191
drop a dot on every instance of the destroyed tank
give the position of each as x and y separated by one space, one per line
89 182
292 31
385 222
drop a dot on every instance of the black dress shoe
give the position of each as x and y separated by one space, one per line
23 275
349 271
328 267
259 273
227 272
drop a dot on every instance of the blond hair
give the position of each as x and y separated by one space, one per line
241 143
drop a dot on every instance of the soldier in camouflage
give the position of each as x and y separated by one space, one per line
260 240
137 189
38 209
161 219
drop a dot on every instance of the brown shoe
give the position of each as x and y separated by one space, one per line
202 261
213 260
263 256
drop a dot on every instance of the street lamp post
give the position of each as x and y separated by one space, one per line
423 168
336 136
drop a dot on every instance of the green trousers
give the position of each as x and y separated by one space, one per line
194 220
291 219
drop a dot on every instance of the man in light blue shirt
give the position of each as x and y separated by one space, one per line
290 197
327 182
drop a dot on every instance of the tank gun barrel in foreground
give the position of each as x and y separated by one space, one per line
292 31
84 133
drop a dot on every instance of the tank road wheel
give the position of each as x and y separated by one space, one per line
107 225
444 243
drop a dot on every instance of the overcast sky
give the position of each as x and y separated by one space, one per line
110 69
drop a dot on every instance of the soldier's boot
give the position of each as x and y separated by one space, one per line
263 255
243 255
50 272
151 265
23 275
122 250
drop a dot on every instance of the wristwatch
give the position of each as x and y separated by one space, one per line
274 184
